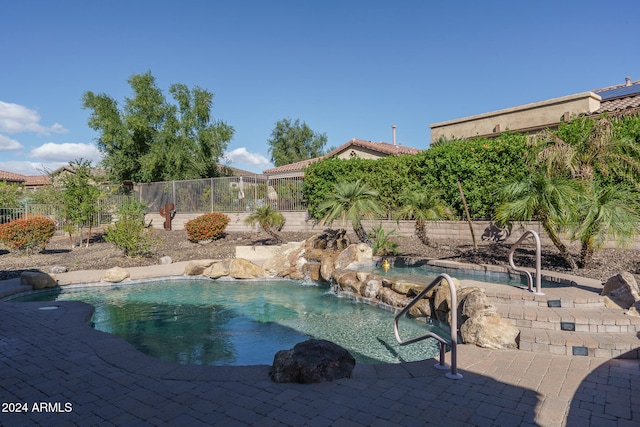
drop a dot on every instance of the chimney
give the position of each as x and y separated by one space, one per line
627 81
393 133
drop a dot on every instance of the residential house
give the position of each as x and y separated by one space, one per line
352 148
534 117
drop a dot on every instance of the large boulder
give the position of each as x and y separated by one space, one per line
621 291
218 269
489 331
37 280
244 269
326 267
312 361
354 254
286 263
474 302
115 275
391 298
197 267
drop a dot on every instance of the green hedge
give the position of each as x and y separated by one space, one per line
480 165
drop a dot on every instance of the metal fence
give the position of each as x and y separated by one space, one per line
228 194
103 215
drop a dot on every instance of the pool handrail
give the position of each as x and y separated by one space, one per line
453 341
527 233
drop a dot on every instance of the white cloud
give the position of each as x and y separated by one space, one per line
30 168
8 144
15 118
66 152
242 156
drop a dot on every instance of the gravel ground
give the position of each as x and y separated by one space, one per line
103 255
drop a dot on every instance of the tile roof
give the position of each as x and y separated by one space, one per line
36 180
381 147
622 103
28 180
11 177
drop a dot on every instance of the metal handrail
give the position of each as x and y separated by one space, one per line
453 374
526 234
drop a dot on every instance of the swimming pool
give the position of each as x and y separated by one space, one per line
228 322
481 275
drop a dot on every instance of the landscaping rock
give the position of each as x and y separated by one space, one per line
37 280
165 260
243 269
57 269
218 269
354 254
197 267
115 275
489 331
312 361
621 291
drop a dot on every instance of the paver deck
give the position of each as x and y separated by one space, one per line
60 371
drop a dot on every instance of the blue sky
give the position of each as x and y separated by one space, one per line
350 69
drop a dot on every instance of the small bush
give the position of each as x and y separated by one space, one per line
382 246
129 233
29 235
209 226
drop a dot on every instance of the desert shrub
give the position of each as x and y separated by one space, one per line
382 246
128 233
209 226
28 235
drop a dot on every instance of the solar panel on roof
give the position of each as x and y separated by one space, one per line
619 92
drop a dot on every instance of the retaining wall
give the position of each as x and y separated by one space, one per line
455 232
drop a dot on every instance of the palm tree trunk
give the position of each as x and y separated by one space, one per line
272 233
586 253
564 252
361 233
422 233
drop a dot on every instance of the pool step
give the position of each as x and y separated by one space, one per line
607 345
591 331
592 320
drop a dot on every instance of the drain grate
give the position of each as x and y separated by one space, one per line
568 326
580 350
554 303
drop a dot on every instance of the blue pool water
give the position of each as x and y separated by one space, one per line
431 271
206 322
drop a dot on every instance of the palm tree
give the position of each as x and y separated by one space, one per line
550 200
606 211
587 148
425 205
590 152
269 219
352 201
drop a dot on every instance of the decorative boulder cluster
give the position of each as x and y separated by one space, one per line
479 322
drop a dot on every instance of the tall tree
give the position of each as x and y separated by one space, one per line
352 201
150 139
292 142
80 197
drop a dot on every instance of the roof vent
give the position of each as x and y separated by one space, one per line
627 81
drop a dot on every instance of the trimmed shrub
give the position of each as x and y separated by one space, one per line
29 235
129 233
209 226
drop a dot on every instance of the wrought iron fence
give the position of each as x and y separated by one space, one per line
228 194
